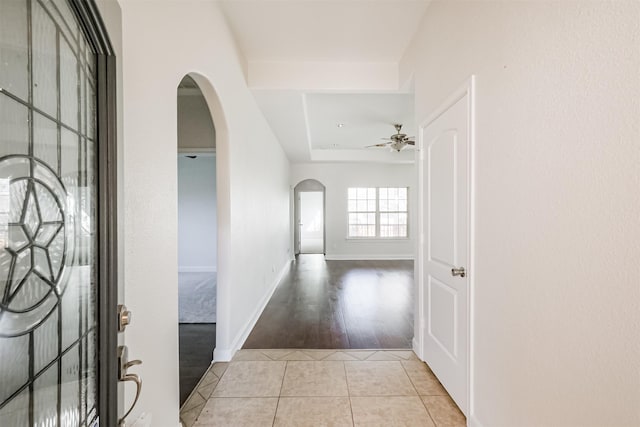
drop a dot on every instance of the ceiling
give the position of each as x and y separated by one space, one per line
315 64
353 121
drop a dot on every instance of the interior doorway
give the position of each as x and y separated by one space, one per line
197 235
446 255
311 222
309 213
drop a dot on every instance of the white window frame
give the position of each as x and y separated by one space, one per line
377 216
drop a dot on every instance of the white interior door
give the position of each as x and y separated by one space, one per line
311 222
445 246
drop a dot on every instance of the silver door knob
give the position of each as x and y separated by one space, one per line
458 272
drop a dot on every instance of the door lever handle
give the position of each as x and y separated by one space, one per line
130 364
136 379
458 272
123 365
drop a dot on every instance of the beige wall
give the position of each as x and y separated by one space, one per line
557 279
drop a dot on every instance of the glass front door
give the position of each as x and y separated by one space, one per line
48 217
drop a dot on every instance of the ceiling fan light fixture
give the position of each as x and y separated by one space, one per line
396 142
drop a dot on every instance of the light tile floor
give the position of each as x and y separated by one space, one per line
320 388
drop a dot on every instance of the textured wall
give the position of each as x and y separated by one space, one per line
557 279
252 183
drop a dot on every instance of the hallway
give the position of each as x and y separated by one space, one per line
339 305
321 387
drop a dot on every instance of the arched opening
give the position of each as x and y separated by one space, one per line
202 208
310 213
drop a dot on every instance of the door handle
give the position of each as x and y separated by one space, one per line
458 272
123 365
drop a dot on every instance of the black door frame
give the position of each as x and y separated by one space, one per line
96 33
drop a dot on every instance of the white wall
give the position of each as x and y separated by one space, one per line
337 178
195 128
252 178
197 216
557 279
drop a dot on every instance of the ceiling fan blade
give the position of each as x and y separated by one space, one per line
377 145
387 139
411 143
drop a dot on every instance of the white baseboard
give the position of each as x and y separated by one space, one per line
416 348
473 422
368 257
198 269
225 355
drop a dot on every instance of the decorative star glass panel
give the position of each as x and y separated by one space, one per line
48 273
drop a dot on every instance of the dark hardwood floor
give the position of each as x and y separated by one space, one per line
339 305
197 341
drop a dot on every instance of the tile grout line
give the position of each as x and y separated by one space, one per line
209 370
279 396
428 412
410 380
196 391
418 393
284 374
420 396
346 380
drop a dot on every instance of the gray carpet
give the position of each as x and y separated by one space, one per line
197 297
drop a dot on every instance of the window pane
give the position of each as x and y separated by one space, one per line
367 205
362 218
68 85
14 49
45 95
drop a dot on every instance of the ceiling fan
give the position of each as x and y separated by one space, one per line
397 142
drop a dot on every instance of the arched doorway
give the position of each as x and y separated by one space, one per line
203 206
310 212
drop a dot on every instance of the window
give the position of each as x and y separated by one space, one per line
377 212
362 212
